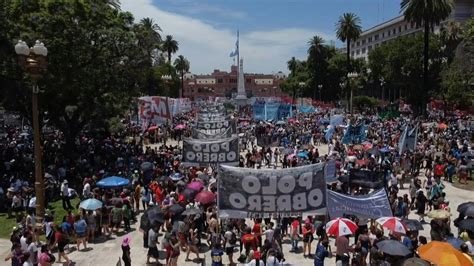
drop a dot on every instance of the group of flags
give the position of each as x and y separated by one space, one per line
408 139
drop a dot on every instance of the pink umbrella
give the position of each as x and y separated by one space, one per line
196 186
180 126
205 197
367 146
152 128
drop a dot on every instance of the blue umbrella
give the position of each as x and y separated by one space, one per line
176 176
455 242
112 182
385 150
302 154
324 121
90 204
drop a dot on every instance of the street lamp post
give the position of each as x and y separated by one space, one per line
341 95
301 84
33 61
382 82
320 86
405 73
352 76
167 79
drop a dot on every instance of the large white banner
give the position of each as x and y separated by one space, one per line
372 206
180 105
154 109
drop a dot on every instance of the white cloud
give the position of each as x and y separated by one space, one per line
208 47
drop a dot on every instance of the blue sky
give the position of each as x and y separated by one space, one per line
271 30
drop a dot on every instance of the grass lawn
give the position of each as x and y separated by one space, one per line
7 224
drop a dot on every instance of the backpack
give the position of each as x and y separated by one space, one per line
233 239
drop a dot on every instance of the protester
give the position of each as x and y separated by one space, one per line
80 227
126 251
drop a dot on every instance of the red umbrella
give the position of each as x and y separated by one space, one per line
341 227
205 197
393 224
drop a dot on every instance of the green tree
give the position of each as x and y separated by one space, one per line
182 66
170 46
451 37
458 79
149 37
426 13
292 65
318 55
348 29
95 65
399 63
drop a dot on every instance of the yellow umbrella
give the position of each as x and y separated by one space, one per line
442 254
439 214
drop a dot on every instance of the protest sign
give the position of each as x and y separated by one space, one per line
262 193
154 109
371 206
206 152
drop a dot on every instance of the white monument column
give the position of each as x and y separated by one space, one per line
241 98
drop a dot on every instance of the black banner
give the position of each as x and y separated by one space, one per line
212 133
262 193
206 117
367 179
206 152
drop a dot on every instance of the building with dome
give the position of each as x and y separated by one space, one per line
224 84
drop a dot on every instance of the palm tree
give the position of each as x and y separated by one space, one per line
451 38
426 13
149 26
150 37
316 46
348 29
182 66
316 60
292 64
170 46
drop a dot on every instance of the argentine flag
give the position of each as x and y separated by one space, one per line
236 51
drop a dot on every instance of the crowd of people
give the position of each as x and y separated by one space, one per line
179 202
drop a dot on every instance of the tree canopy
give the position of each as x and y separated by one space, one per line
98 59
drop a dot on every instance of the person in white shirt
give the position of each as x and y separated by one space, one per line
269 233
65 195
32 205
271 259
33 251
86 191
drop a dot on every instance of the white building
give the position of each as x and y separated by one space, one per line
396 27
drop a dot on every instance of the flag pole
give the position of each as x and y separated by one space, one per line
238 52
